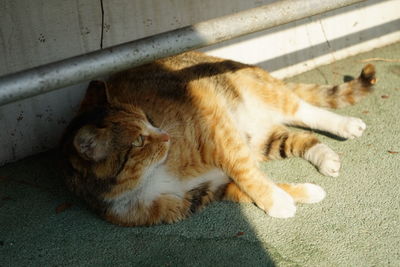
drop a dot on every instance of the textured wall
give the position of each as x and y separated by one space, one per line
35 32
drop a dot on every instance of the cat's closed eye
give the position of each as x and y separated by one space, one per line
139 141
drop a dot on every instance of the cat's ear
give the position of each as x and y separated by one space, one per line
96 96
92 143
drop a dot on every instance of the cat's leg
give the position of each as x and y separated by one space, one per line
283 143
289 99
301 193
235 159
321 119
232 154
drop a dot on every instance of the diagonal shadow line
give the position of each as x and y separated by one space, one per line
297 23
335 44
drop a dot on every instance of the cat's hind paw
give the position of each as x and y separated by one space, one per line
330 165
325 159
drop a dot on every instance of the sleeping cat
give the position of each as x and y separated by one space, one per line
156 143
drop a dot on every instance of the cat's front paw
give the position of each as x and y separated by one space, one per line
314 193
352 127
283 205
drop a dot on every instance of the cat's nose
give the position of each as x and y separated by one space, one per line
159 137
164 137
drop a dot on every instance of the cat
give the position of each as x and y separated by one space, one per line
157 143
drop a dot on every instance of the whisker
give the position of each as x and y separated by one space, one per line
162 123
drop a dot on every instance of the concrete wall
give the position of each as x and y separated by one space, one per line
35 32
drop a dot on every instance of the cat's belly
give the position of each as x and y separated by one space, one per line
254 118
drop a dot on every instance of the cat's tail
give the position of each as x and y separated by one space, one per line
337 96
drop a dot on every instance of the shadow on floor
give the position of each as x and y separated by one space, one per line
43 224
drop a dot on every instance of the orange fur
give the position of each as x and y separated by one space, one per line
297 191
282 143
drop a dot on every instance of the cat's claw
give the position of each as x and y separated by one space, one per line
283 205
352 128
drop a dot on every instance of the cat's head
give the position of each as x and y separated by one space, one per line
108 142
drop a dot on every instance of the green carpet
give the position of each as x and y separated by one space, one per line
42 224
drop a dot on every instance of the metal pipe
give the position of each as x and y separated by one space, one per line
70 71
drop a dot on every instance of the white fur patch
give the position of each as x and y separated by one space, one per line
154 182
318 118
283 204
352 127
315 193
255 118
325 159
158 181
215 177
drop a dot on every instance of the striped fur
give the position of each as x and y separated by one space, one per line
282 143
159 142
337 96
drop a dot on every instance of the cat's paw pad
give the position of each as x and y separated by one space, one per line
325 159
283 205
352 128
314 193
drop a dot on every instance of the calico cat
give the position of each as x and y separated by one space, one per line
156 143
